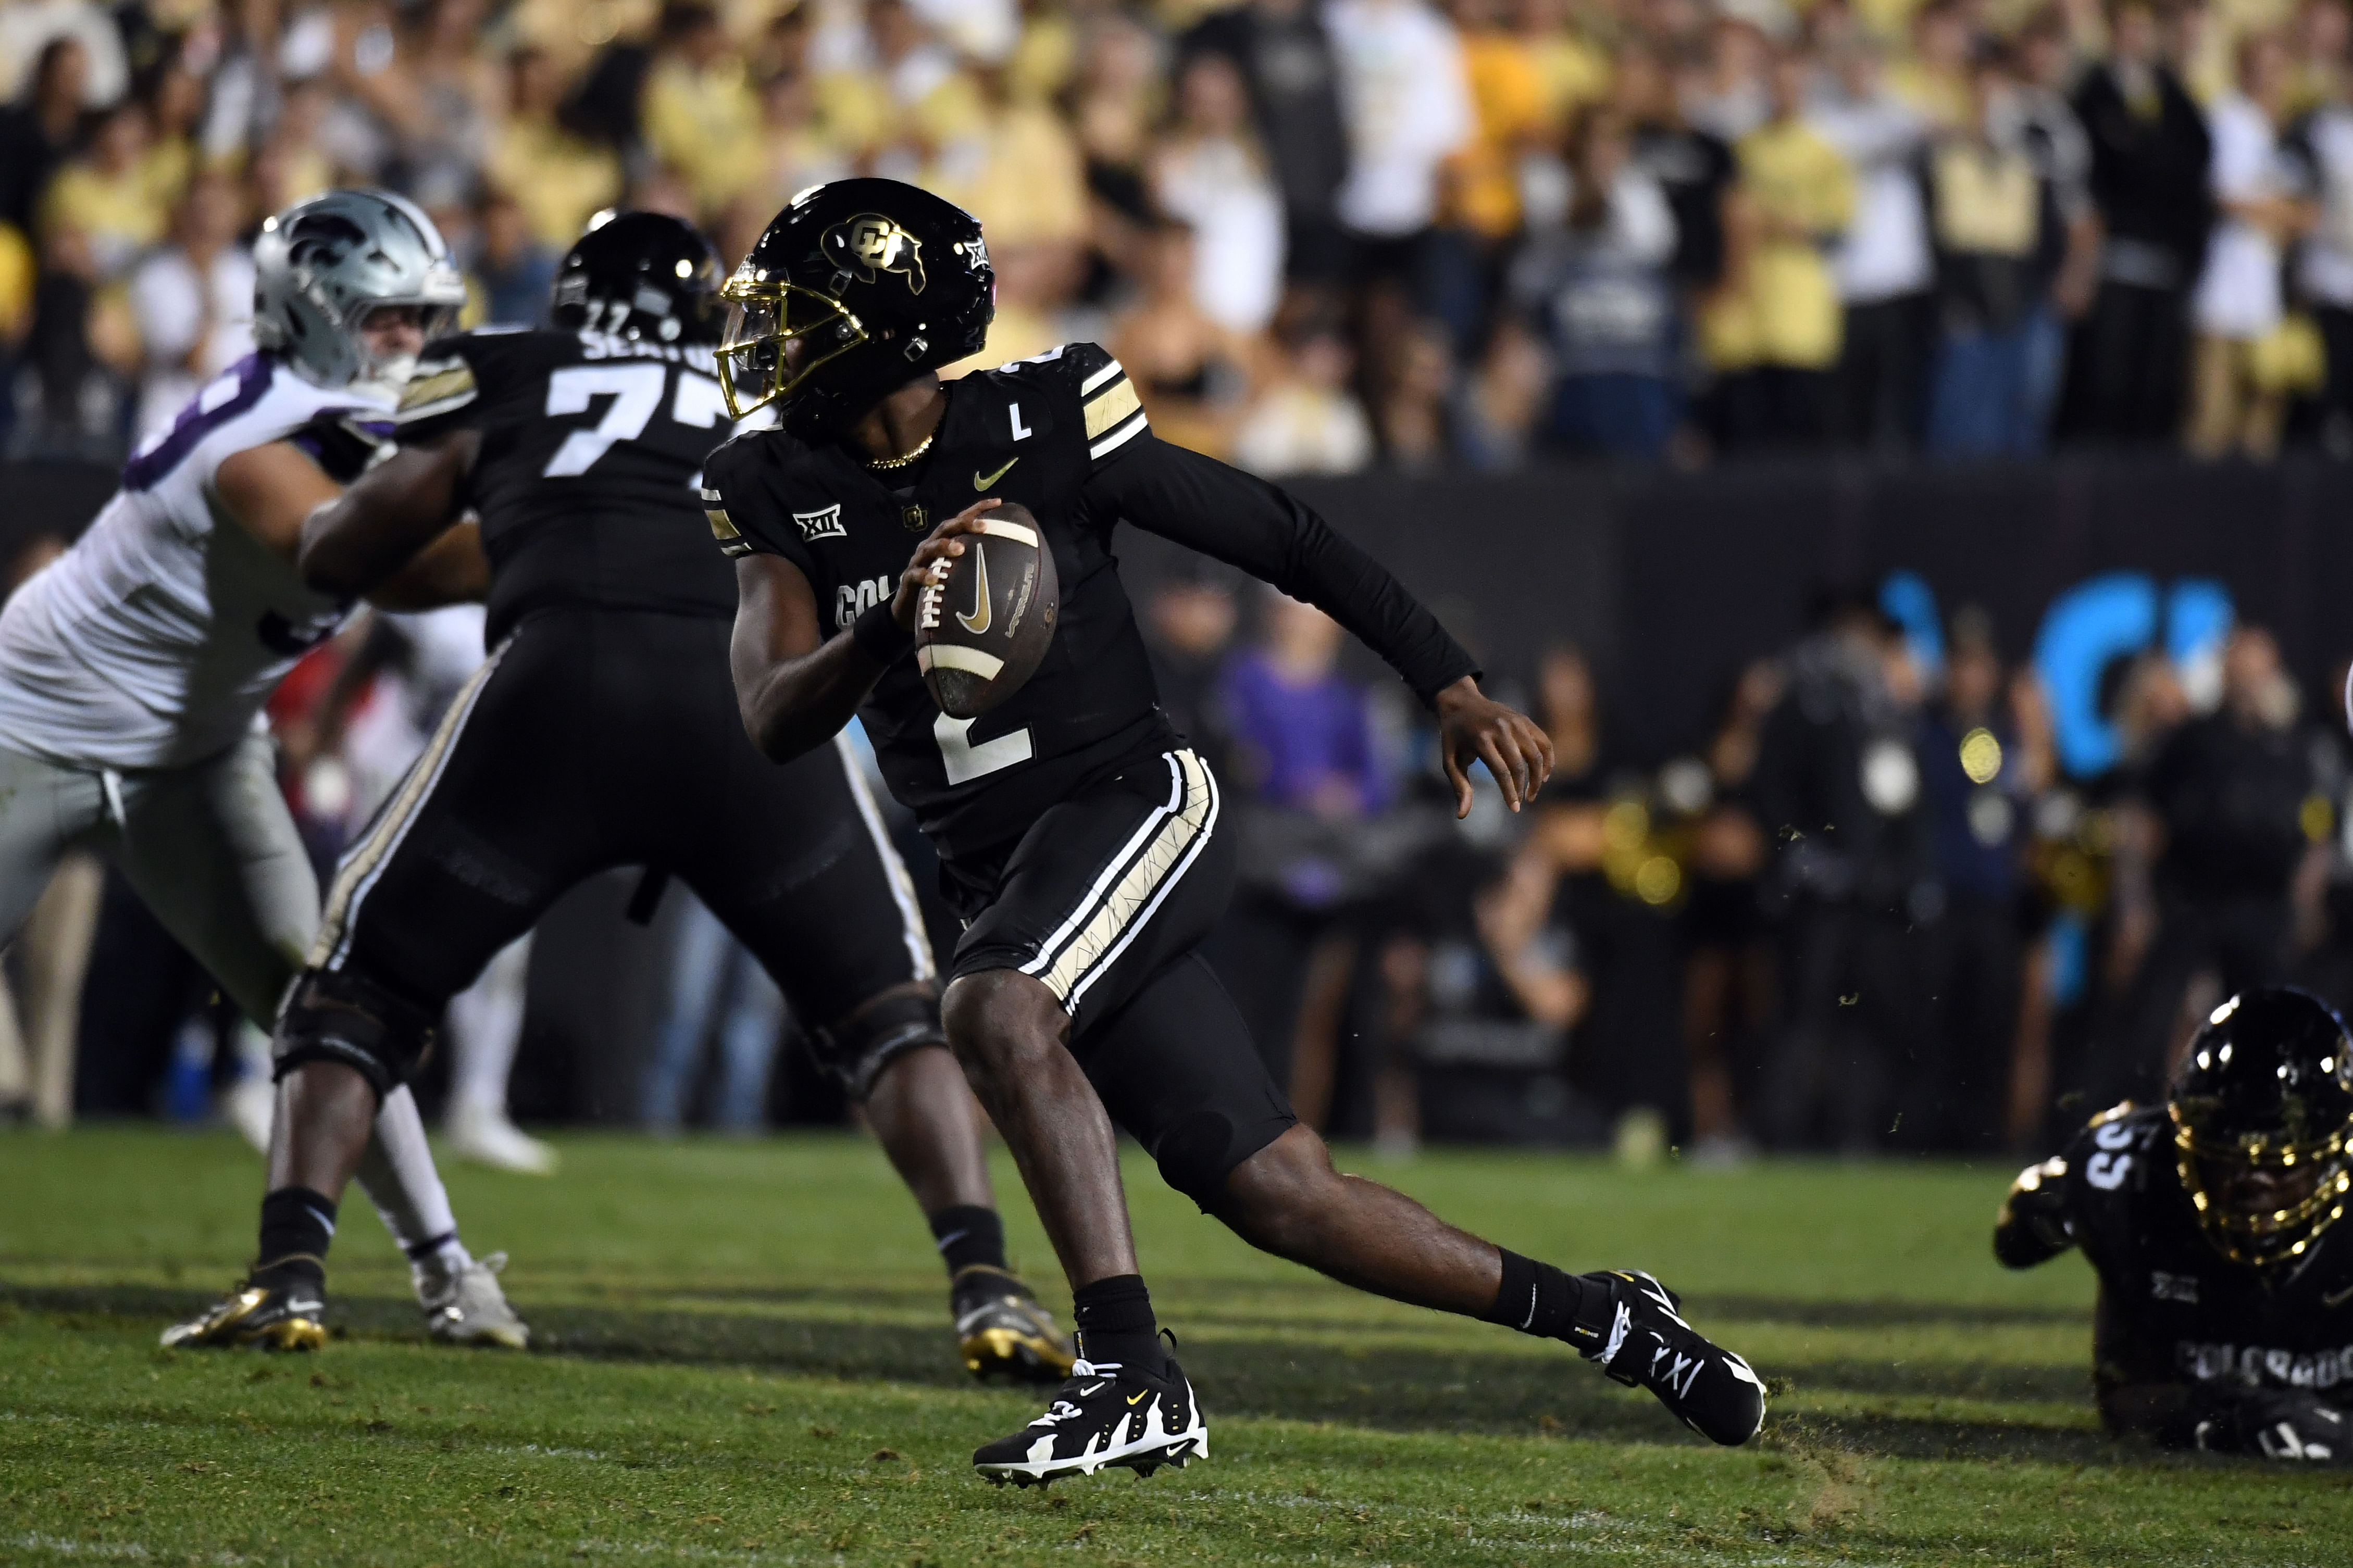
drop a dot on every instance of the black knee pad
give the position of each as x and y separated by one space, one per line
334 1016
854 1051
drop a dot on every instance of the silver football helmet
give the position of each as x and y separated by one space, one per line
322 265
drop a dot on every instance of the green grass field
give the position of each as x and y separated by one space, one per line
746 1360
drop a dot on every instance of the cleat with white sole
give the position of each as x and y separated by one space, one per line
1632 1327
1106 1415
463 1303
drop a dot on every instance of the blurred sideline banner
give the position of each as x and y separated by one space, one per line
1671 582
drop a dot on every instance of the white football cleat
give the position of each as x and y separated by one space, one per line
462 1302
484 1135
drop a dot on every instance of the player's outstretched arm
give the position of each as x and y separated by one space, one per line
1245 521
2033 1226
796 688
355 543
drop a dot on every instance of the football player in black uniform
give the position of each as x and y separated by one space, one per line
2226 1316
1080 838
601 732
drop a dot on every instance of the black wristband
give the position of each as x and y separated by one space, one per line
878 635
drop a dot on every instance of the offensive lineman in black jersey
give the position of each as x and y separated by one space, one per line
2225 1317
600 734
1079 837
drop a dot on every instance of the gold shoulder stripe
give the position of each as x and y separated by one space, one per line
448 384
722 527
1115 403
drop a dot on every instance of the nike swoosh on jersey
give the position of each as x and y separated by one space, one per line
983 612
980 483
1139 1399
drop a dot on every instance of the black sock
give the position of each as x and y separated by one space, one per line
969 1236
297 1224
1537 1298
1116 1323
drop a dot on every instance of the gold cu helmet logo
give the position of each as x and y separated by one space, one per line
871 244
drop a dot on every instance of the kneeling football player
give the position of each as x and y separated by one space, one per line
2210 1223
1080 838
602 732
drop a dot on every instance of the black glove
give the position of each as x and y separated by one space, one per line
2033 1226
2289 1424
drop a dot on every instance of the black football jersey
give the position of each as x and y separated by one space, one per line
2174 1309
590 474
1065 435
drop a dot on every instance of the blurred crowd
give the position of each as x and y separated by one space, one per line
1322 233
1882 904
1872 910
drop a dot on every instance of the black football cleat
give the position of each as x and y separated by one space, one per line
1630 1325
279 1315
1104 1415
1003 1333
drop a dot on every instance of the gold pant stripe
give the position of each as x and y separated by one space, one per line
1108 923
365 860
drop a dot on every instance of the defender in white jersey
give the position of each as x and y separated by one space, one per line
133 668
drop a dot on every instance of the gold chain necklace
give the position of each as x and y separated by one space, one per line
882 465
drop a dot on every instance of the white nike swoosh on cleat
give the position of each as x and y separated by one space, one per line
304 1305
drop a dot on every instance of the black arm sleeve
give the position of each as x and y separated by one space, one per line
1245 521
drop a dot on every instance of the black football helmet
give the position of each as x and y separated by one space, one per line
2263 1111
854 290
642 276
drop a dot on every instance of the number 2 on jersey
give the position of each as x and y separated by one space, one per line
966 761
636 390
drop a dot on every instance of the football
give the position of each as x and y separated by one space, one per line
982 630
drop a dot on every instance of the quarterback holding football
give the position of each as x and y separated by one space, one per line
1080 838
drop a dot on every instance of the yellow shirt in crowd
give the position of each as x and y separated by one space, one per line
558 179
705 124
1507 95
1782 307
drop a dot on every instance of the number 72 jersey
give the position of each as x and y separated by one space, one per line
590 471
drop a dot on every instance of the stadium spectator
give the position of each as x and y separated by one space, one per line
1974 776
1598 287
191 302
1208 174
2246 361
2222 822
1998 242
1305 419
512 271
1305 778
1772 330
714 982
2324 264
1188 368
1883 265
1283 53
1837 789
559 177
38 129
1729 989
2150 150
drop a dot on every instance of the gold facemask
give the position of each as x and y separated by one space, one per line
2267 1236
763 317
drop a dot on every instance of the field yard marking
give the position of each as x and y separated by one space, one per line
59 1546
